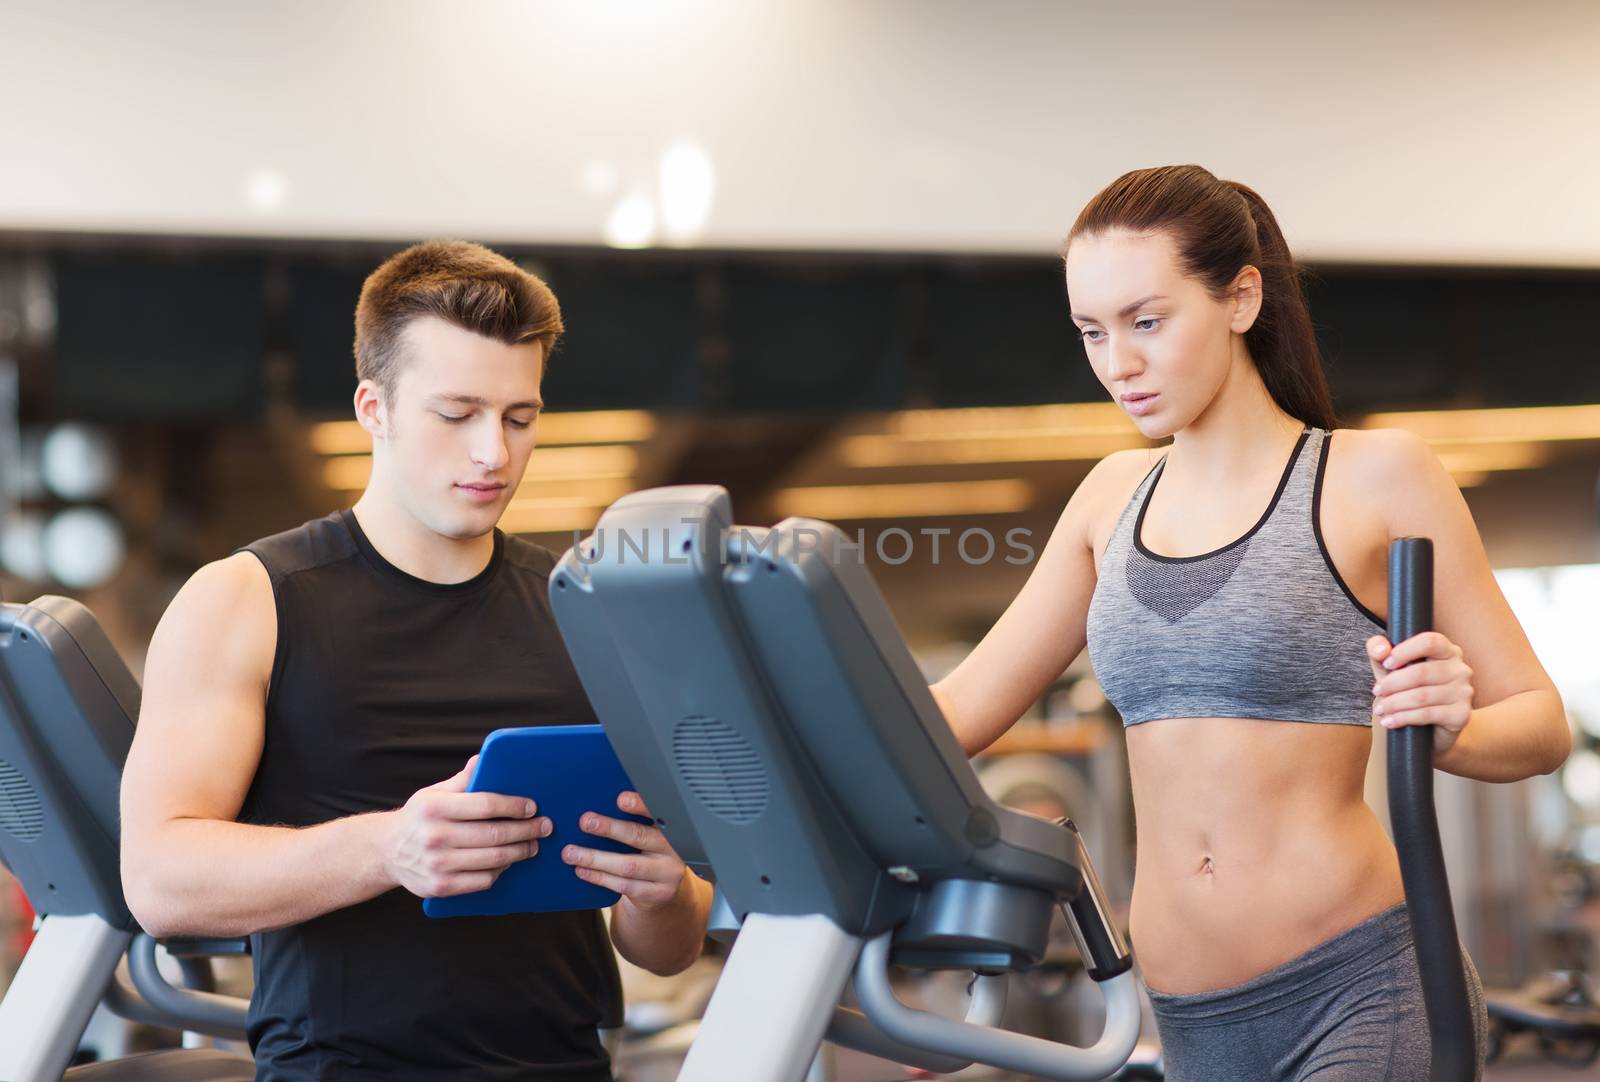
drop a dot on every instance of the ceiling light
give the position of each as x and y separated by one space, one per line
1485 457
1495 425
266 189
687 184
552 514
596 426
339 438
631 223
600 460
870 451
905 501
985 420
83 547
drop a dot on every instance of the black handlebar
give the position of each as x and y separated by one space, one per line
1416 836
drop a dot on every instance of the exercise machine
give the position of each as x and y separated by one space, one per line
757 690
67 710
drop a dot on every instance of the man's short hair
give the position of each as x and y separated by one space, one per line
462 283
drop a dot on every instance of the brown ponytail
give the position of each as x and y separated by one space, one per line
1221 227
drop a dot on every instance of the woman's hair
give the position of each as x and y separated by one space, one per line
1221 227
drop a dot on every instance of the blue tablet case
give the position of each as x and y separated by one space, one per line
567 770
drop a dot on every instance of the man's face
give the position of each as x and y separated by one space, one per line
460 427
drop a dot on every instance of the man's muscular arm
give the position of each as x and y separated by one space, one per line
189 868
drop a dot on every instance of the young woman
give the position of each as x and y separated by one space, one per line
1231 588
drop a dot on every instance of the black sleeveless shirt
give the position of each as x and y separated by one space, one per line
383 684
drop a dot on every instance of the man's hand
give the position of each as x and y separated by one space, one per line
651 878
448 841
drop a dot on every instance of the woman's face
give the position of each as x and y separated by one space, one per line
1158 341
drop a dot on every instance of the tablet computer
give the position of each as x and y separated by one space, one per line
566 770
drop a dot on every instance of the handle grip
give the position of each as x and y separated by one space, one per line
1416 836
997 1047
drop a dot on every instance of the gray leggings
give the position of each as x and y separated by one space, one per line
1348 1010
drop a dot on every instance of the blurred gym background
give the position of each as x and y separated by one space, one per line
805 250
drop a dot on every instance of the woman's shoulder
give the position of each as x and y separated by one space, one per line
1381 447
1116 477
1392 458
1392 470
1101 496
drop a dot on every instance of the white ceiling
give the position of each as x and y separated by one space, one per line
1450 131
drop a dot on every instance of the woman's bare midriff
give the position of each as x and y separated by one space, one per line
1254 845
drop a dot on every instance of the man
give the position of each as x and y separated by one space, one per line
304 697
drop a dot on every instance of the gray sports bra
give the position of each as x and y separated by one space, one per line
1261 628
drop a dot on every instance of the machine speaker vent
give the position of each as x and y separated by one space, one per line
721 768
21 814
